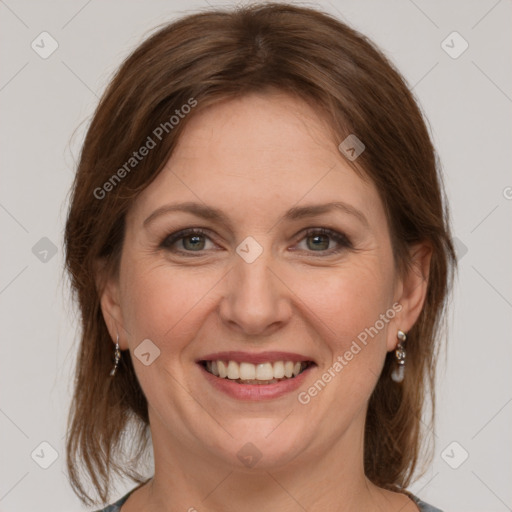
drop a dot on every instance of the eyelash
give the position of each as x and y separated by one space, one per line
340 238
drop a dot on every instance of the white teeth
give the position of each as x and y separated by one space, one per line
278 370
223 373
247 371
262 372
233 370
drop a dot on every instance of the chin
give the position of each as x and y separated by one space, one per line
263 443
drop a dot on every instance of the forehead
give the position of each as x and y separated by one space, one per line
277 130
255 153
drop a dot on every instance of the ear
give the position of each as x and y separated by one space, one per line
109 294
412 289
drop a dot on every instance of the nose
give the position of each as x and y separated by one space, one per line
257 301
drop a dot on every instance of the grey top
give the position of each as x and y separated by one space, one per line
116 507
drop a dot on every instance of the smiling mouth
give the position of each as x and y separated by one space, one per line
262 373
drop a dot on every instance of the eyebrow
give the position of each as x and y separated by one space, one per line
295 213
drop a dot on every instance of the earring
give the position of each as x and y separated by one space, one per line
399 371
117 356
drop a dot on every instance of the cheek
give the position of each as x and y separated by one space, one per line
167 307
348 300
352 311
160 302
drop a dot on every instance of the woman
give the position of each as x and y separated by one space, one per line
260 250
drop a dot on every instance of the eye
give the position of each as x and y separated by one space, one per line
319 240
195 240
191 240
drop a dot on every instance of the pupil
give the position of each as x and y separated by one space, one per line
326 239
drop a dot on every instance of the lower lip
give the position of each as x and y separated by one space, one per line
256 391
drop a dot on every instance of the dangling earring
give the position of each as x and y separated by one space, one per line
117 356
399 371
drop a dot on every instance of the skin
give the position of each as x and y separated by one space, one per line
255 158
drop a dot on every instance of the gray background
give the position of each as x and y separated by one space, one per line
44 102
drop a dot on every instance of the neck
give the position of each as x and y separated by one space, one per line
328 477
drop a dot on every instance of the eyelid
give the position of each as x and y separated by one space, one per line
184 233
339 237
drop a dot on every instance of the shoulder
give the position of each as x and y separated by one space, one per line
115 507
424 507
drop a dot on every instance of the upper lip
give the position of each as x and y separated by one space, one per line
255 358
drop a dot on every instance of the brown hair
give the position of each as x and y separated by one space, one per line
213 56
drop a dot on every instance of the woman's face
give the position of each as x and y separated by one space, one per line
262 282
